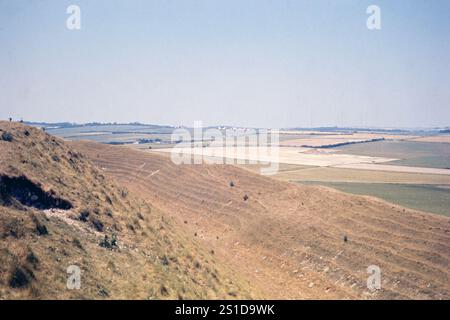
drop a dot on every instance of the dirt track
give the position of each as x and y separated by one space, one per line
288 239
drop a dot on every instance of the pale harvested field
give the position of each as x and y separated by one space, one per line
287 239
91 133
330 174
306 157
393 168
440 138
318 140
357 135
299 156
307 132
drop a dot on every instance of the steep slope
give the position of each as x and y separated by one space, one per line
292 241
57 209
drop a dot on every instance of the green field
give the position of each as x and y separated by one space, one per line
410 153
115 133
430 198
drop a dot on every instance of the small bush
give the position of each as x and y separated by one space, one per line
164 291
98 225
32 259
108 212
14 229
6 136
108 199
40 227
165 261
109 244
103 292
131 227
123 193
84 214
77 243
20 278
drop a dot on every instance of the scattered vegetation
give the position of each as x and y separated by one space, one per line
20 278
165 260
40 227
32 259
84 214
98 225
6 136
77 243
107 243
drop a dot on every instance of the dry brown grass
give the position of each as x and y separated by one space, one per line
287 240
154 259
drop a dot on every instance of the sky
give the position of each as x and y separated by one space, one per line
256 63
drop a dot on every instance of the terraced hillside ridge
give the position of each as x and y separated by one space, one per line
291 241
57 209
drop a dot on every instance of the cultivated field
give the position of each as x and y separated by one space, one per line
439 138
290 155
320 140
289 172
400 158
115 133
426 197
408 153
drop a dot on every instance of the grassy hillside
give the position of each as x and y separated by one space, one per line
57 209
289 240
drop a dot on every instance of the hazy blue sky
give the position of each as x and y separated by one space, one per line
279 63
